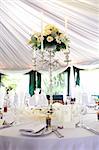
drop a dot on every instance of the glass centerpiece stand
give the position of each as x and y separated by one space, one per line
51 42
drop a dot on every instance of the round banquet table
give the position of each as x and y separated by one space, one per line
74 138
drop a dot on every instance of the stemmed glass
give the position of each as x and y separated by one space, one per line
83 111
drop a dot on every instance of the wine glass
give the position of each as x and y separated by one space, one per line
83 111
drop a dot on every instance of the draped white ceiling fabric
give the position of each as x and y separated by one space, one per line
20 18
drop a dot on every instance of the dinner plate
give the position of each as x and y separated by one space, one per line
44 132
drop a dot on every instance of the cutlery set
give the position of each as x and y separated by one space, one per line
90 129
42 132
78 125
58 134
45 131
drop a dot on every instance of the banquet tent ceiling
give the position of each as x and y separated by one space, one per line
20 18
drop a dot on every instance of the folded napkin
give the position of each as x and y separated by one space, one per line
1 122
37 129
42 132
4 124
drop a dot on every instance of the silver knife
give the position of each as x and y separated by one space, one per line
90 129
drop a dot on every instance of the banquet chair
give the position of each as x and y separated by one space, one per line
26 99
92 103
43 99
84 99
2 95
57 106
15 101
32 102
38 100
58 98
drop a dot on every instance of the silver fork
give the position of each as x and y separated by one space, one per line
59 135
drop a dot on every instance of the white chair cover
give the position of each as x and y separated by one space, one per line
15 102
34 100
38 100
2 95
84 98
43 101
26 99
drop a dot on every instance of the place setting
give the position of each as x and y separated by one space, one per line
44 131
44 128
5 124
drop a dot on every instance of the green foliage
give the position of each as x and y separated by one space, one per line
57 84
9 82
52 36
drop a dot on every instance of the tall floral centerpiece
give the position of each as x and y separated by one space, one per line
52 36
52 40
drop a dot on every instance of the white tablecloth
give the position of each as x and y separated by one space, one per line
74 139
